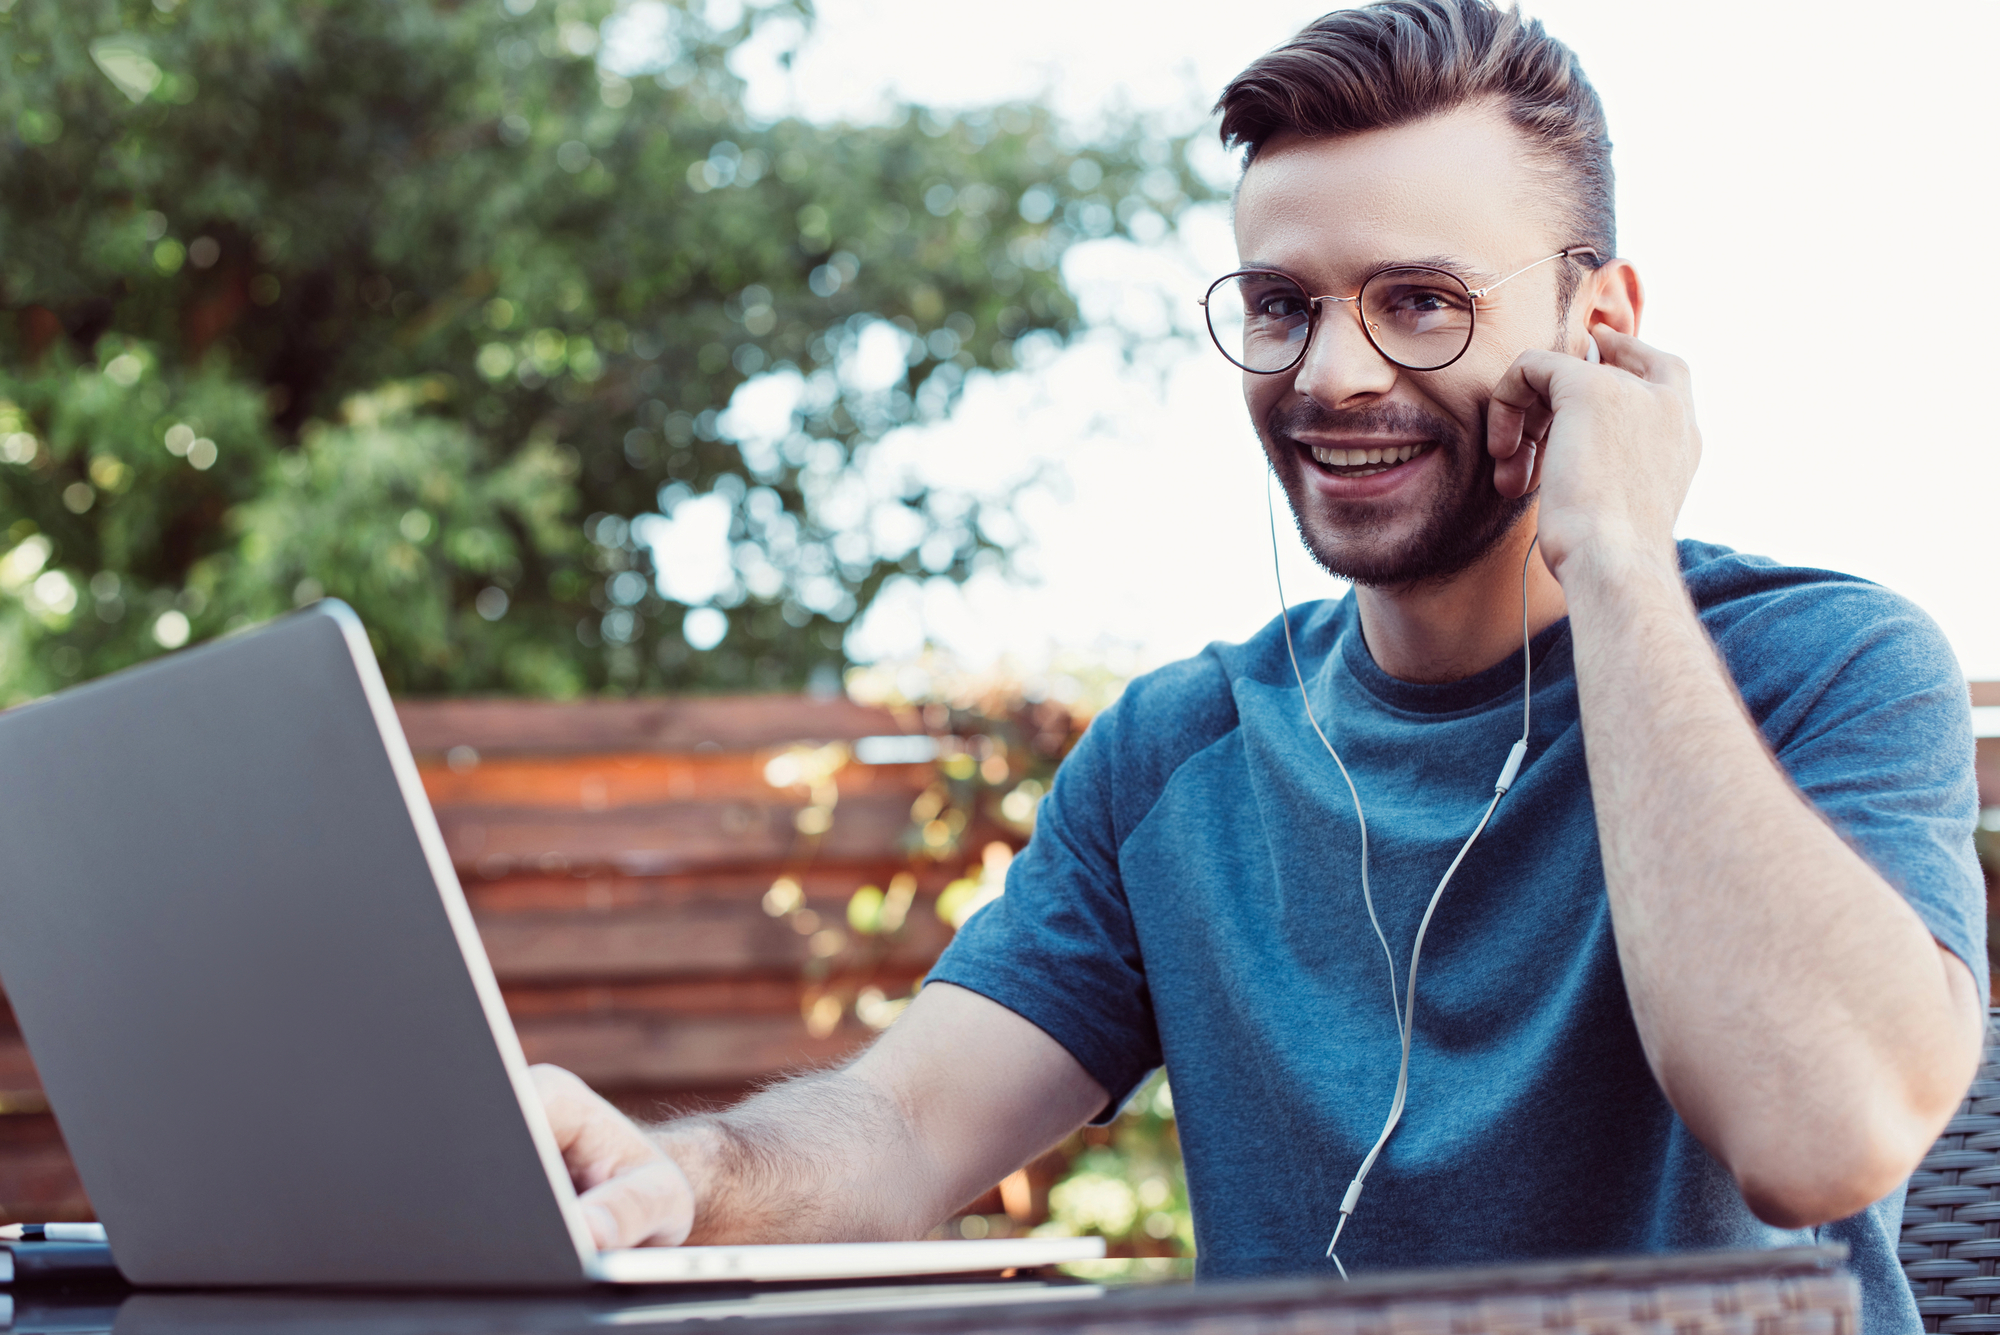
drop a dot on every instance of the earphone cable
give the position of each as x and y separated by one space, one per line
1285 620
1527 666
1404 1007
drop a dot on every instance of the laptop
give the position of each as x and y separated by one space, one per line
261 1012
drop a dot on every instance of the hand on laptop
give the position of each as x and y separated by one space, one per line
631 1192
955 1095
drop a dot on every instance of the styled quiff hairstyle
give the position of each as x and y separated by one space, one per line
1399 61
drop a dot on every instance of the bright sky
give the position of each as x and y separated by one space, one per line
1807 191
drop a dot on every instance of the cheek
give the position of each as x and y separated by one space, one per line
1462 392
1261 394
1498 343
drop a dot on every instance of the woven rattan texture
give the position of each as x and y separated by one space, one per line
1951 1221
1790 1305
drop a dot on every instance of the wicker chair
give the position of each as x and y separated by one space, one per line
1951 1223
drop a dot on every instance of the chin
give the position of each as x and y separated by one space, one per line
1432 549
1427 530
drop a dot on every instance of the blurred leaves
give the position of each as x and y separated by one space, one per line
579 284
103 483
421 531
1125 1184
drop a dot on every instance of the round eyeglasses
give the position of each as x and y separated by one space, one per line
1416 316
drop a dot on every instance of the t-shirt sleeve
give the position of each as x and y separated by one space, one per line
1862 700
1058 948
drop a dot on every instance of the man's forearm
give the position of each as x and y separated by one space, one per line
958 1093
1794 1008
821 1158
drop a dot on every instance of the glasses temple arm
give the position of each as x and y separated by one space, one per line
1480 292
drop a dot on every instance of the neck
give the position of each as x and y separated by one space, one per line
1452 629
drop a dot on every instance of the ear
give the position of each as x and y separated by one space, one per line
1614 296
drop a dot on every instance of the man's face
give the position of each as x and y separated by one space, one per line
1456 192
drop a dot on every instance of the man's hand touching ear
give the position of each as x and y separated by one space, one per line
631 1192
1613 447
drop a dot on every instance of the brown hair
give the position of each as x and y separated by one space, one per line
1398 61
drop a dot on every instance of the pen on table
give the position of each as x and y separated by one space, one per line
52 1233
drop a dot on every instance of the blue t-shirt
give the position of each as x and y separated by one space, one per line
1191 897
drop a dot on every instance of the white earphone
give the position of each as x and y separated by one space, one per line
1404 1008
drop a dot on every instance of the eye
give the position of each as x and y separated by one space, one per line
1273 300
1281 305
1415 301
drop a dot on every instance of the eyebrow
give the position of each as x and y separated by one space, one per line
1472 275
1451 264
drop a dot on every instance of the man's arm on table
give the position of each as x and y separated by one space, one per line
1798 1013
954 1096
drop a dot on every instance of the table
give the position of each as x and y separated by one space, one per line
1796 1291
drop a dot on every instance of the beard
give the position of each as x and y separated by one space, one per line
1461 521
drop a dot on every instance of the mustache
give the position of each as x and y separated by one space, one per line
1388 419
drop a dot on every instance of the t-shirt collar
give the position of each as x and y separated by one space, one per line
1552 659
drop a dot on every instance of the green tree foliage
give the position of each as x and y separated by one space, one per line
423 304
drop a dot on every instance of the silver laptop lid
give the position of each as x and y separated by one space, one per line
248 977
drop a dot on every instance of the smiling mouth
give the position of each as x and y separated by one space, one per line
1366 462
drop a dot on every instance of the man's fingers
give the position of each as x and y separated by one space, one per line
633 1194
597 1141
565 1101
1506 427
574 1109
1515 477
1518 417
1535 423
1641 359
648 1205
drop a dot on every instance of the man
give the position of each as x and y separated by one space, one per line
1711 976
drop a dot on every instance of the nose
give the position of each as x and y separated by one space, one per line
1341 366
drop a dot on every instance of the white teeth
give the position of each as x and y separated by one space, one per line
1361 458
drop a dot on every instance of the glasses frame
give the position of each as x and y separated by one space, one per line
1476 294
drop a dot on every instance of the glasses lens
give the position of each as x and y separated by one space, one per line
1419 318
1259 320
